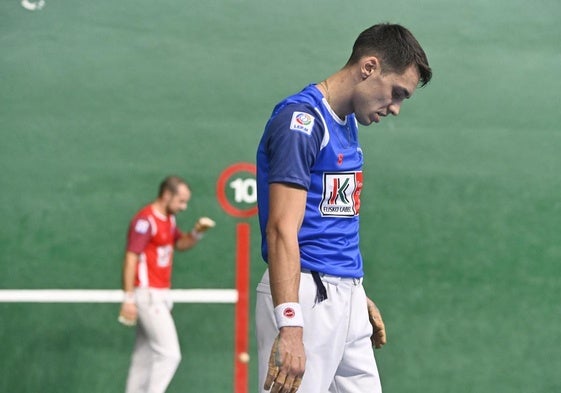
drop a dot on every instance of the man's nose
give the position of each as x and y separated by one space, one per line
394 109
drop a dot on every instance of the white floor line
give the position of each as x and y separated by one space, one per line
111 296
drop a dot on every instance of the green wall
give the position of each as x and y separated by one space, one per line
460 214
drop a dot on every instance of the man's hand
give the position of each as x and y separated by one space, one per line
203 224
189 240
379 330
128 314
287 361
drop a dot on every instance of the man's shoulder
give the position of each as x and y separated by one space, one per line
143 217
144 212
299 114
306 100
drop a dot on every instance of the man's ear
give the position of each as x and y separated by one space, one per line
167 195
369 65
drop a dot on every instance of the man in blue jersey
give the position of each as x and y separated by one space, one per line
315 324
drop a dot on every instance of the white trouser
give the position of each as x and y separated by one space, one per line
339 354
156 352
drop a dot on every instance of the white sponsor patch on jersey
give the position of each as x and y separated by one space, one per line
303 122
142 226
341 194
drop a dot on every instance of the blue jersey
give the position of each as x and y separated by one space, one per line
306 144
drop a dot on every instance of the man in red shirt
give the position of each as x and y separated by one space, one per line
152 238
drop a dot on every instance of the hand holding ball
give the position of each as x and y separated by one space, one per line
203 224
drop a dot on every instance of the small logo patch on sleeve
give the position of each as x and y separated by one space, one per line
303 122
142 226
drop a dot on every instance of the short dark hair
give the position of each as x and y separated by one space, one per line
171 183
395 46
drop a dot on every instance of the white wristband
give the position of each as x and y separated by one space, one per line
197 235
289 314
129 297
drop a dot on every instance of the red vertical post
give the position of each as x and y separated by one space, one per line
241 333
241 351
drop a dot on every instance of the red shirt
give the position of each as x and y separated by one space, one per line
152 236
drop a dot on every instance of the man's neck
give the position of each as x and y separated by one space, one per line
160 207
337 90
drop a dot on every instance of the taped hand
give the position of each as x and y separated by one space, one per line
287 362
378 328
128 314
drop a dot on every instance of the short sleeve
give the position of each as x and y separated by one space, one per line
294 138
139 235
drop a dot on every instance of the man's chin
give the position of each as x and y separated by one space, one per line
362 122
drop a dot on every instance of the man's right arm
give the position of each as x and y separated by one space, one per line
291 148
286 211
129 314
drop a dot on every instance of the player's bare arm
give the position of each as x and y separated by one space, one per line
128 313
287 360
286 211
378 328
189 240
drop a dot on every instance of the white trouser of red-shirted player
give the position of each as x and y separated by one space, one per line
156 352
337 332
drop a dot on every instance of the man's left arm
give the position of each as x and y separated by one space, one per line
188 240
378 328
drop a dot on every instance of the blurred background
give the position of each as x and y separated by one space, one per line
460 213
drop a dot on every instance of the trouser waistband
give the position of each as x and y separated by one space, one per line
321 292
153 294
334 279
